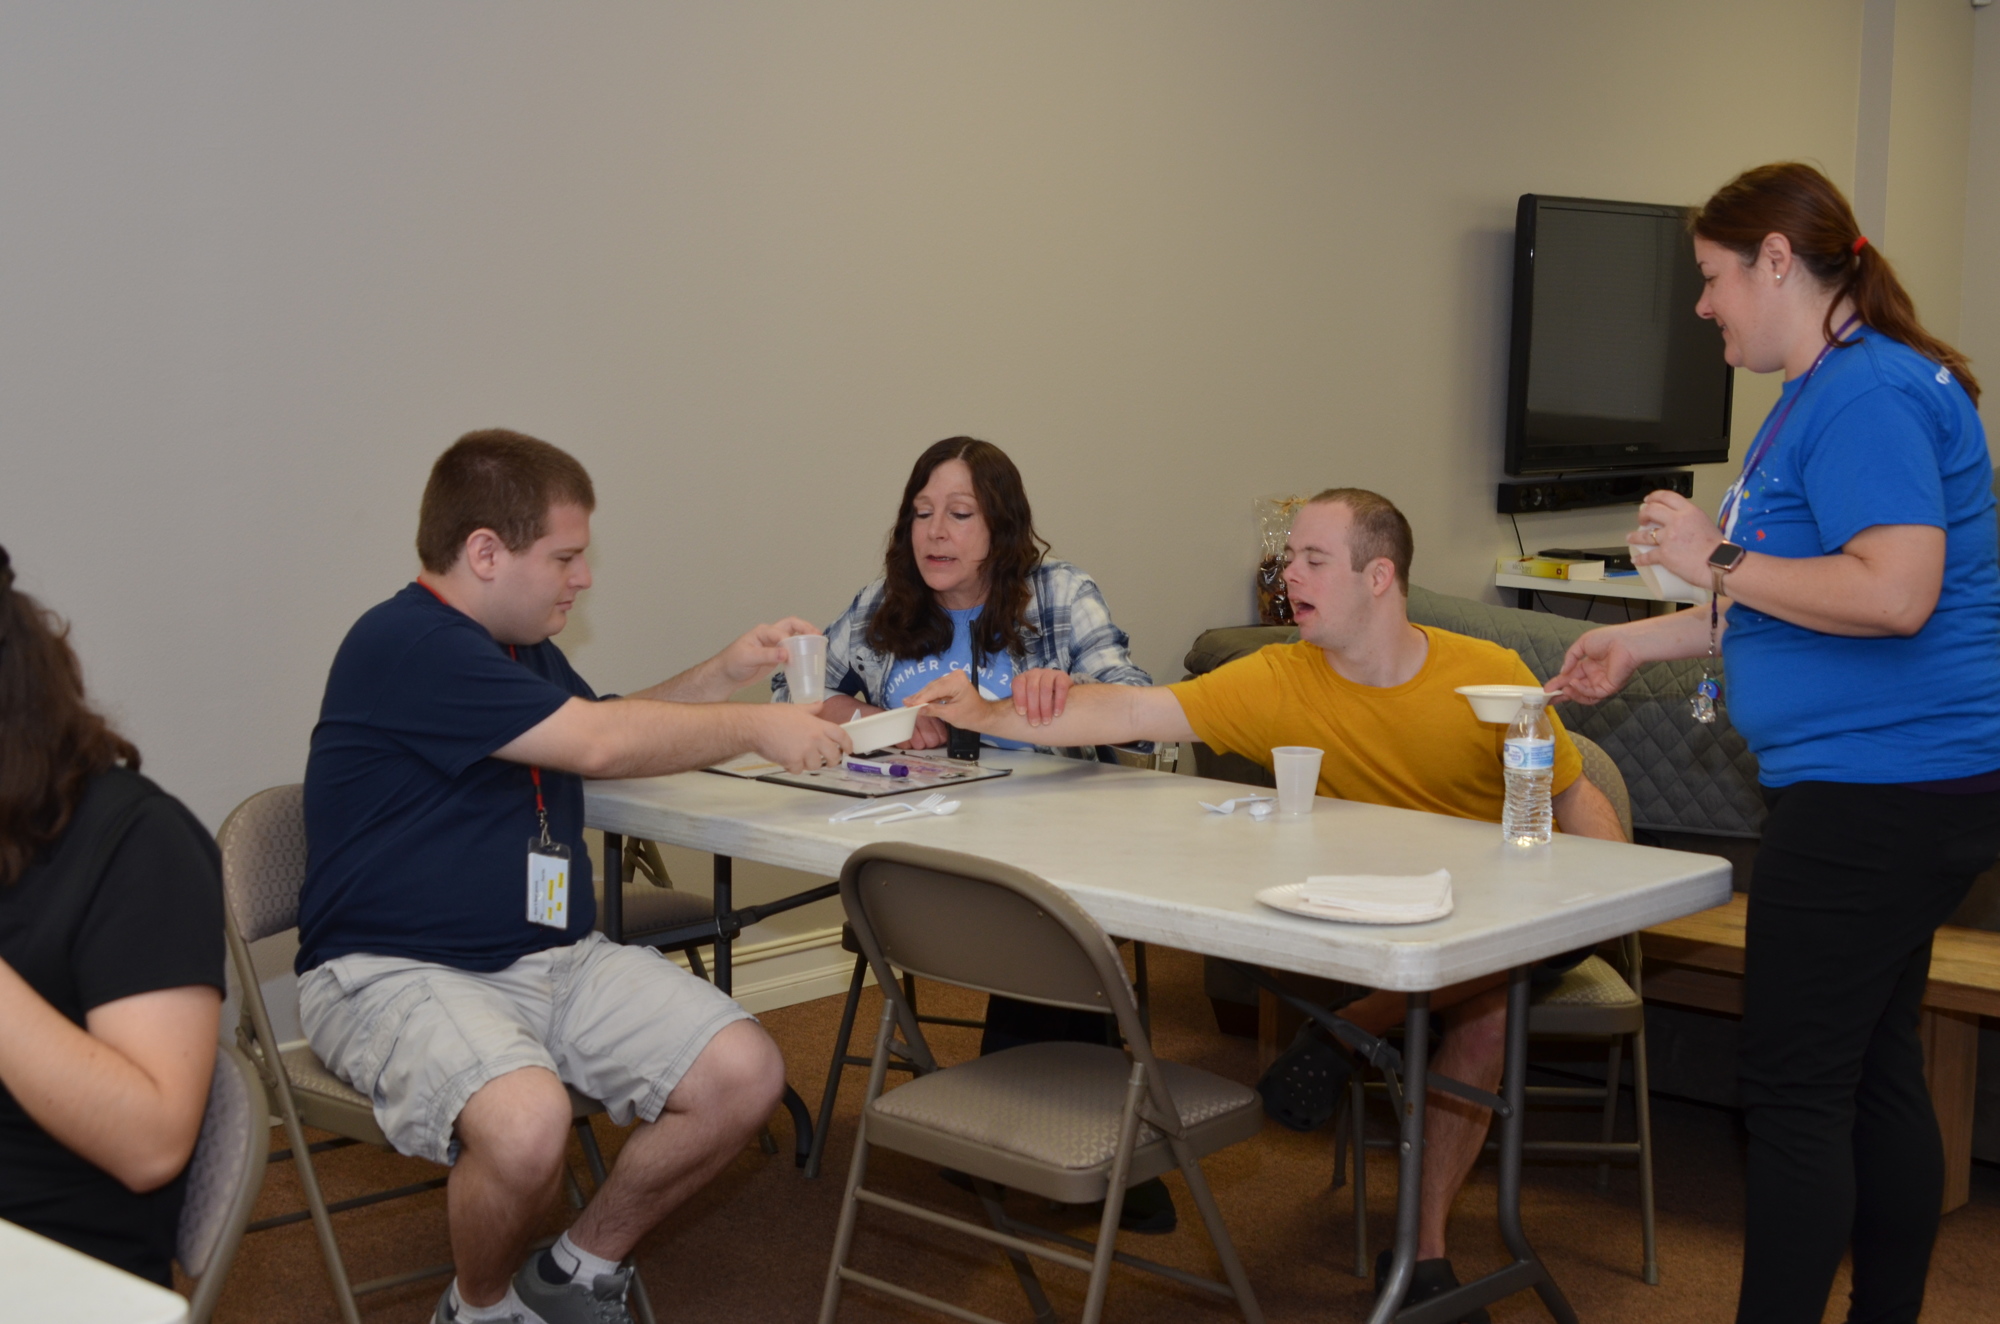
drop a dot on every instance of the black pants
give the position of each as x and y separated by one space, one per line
1009 1024
1850 884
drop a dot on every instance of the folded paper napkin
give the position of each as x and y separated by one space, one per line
1378 896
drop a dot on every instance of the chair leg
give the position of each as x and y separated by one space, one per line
1612 1067
1024 1268
837 1066
1643 1106
1114 1199
329 1249
1225 1249
857 1170
1357 1133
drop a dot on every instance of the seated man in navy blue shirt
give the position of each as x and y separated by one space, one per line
449 968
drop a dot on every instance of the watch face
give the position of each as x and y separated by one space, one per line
1726 556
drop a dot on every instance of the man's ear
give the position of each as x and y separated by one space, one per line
1381 575
482 553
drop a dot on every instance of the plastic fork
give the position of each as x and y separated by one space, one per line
926 804
1229 806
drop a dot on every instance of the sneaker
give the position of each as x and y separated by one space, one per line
601 1302
1307 1083
446 1315
1431 1278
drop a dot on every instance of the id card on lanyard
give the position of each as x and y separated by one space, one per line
548 862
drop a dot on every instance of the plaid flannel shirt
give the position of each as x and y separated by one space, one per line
1070 629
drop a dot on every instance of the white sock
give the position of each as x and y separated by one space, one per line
508 1307
578 1263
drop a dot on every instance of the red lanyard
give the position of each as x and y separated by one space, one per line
534 772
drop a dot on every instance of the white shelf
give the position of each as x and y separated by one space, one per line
1623 587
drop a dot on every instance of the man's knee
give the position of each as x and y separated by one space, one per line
740 1072
1479 1028
517 1123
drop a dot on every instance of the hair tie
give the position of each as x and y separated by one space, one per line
1860 242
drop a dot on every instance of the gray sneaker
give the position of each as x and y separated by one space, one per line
446 1315
601 1302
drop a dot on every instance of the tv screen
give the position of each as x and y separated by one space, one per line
1610 368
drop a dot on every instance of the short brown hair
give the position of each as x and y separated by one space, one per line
496 480
1379 530
51 741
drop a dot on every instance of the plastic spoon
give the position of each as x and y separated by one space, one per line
849 815
944 810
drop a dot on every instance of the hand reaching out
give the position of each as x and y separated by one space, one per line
1039 694
1597 666
760 650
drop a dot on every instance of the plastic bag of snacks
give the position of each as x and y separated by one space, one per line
1274 525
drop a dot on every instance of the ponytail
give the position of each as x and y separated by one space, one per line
1798 202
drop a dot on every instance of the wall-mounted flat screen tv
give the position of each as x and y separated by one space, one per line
1610 367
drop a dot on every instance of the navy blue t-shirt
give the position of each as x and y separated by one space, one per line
416 837
1880 435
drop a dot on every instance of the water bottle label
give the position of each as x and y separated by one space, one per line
1525 755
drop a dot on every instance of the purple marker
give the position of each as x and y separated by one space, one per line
878 768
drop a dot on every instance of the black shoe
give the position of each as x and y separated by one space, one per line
1431 1278
1306 1086
1148 1209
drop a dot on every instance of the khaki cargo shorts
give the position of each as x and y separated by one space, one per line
619 1024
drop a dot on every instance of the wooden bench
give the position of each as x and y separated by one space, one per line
1698 962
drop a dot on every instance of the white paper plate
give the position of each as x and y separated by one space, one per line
1286 897
879 730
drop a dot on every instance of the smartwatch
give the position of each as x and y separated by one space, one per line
1726 557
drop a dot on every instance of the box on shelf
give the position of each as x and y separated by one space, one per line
1548 567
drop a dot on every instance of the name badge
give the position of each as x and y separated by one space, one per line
548 883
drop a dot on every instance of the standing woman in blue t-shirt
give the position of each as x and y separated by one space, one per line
1858 580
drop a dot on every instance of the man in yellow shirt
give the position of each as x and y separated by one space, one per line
1375 692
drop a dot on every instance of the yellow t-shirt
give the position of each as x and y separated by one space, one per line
1412 746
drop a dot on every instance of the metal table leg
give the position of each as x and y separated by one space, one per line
1410 1156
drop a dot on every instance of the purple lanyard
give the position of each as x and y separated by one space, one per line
1770 439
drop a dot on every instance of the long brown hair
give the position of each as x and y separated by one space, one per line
1793 199
51 743
910 623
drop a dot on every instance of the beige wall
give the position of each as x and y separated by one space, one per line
262 263
1979 320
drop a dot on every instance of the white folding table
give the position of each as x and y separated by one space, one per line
46 1282
1139 854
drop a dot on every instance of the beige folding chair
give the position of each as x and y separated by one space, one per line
1069 1122
263 866
223 1178
1597 999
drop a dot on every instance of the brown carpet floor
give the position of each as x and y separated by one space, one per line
754 1245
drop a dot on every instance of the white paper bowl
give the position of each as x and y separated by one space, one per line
1668 586
878 730
1496 703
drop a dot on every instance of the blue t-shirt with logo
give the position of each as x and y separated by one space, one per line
1879 435
416 837
995 679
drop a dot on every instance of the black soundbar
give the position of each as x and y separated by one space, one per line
1536 495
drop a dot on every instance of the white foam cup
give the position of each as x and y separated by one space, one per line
1297 767
805 667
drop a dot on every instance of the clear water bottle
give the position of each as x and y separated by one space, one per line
1528 760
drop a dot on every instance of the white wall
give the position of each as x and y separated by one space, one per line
1979 319
263 262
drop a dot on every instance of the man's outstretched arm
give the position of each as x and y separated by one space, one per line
649 738
1091 715
758 652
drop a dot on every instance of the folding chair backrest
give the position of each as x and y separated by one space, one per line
264 861
963 920
224 1175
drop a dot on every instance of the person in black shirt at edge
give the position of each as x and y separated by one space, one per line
111 959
